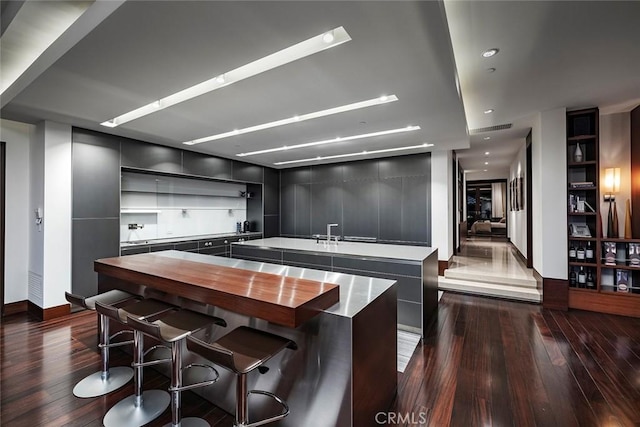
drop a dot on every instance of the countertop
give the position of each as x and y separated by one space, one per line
372 250
282 299
185 239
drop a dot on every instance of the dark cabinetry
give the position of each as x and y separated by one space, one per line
203 165
140 155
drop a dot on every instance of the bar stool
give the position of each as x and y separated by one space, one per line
241 351
139 408
108 379
173 329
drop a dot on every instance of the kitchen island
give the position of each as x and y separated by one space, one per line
415 268
344 370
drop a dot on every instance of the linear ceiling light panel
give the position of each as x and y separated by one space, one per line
295 119
316 44
331 141
360 153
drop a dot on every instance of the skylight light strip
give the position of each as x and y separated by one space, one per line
331 141
292 53
296 119
361 153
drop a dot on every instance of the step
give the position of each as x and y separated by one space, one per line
519 293
488 277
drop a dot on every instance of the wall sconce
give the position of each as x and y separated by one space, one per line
611 184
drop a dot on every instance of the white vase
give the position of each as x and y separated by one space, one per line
577 155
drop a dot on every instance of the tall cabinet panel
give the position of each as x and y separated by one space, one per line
360 221
96 205
138 154
326 208
415 216
303 209
391 209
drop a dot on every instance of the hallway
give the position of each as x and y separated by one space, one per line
491 267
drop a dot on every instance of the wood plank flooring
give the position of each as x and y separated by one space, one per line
487 362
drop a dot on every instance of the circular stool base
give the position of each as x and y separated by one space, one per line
94 385
125 412
191 422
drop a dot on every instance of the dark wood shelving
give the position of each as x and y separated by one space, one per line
582 137
581 213
583 264
619 267
583 290
619 240
584 163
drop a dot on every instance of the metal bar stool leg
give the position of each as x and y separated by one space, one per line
108 379
242 400
142 407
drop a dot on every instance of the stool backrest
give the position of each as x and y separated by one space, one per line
212 352
144 327
107 310
75 299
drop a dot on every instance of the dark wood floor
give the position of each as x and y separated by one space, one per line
488 362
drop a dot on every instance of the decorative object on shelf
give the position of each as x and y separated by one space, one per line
591 284
612 186
628 233
610 253
580 254
582 278
577 154
589 253
573 279
622 281
579 230
633 250
572 253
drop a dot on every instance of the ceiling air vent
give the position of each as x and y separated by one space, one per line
491 128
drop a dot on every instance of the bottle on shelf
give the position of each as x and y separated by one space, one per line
582 278
580 254
591 284
572 252
589 253
573 279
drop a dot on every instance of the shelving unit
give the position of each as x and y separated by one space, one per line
583 186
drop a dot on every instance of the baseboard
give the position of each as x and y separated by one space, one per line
555 294
16 307
443 265
518 253
48 313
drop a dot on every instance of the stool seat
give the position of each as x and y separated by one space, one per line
175 326
141 407
241 350
108 379
173 329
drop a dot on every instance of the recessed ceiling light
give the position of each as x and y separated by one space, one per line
491 70
486 153
484 170
486 138
490 52
486 163
360 153
331 141
292 53
328 37
489 111
294 119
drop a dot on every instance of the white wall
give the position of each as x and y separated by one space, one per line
18 216
550 194
50 187
442 195
518 219
615 152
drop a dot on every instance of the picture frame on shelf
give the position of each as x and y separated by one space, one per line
609 252
579 230
622 281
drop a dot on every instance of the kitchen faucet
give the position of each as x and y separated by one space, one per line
329 233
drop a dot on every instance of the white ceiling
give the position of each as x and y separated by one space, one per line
552 55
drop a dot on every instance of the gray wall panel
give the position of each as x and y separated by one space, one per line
288 209
364 169
142 155
326 208
204 165
96 175
388 199
302 209
390 209
271 192
409 313
295 176
414 209
271 226
327 173
307 259
92 239
246 172
360 208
